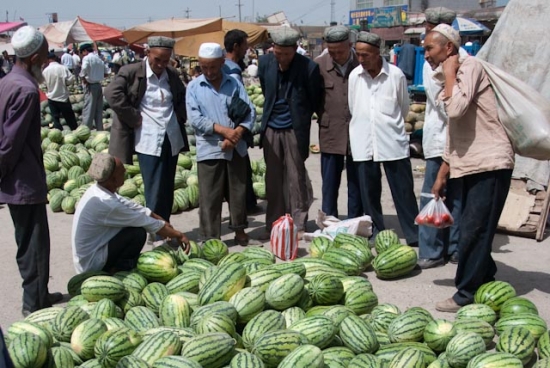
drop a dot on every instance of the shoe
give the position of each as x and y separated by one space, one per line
447 305
55 298
430 263
265 236
414 245
246 242
454 258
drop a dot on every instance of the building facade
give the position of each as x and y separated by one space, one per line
421 5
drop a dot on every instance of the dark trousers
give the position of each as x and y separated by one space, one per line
32 236
287 185
400 180
219 179
435 243
124 249
483 198
250 196
62 109
158 178
332 166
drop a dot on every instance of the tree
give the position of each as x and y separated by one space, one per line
261 18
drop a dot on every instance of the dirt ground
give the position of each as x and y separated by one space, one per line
522 262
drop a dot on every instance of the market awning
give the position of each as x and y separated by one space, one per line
10 26
80 30
467 26
173 27
189 46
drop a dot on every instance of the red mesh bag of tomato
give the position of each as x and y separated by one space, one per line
434 214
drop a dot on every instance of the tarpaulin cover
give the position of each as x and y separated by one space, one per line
173 27
80 30
9 26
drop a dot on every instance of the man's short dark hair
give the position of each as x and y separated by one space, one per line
235 36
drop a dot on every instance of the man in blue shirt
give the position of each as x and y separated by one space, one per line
221 151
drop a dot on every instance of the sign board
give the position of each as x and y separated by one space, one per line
384 17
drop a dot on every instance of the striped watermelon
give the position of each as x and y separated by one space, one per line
305 356
318 330
216 323
495 360
256 264
408 358
184 334
364 361
218 307
316 270
116 345
130 361
440 363
235 257
175 311
105 308
343 260
344 238
293 314
482 328
284 292
358 335
517 305
383 338
382 319
305 303
420 310
141 319
317 310
261 324
311 262
74 284
363 253
225 282
214 249
187 280
463 347
84 337
517 341
28 350
360 301
131 299
157 266
387 352
153 294
494 294
274 346
195 251
338 357
259 253
67 347
396 261
477 311
543 363
92 363
248 302
20 327
354 282
319 246
60 357
96 288
438 333
206 275
213 350
66 321
289 267
175 361
157 346
325 289
337 314
245 359
197 264
88 307
384 240
114 322
535 324
543 345
191 298
408 327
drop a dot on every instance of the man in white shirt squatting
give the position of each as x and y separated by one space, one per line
378 102
221 151
109 231
92 73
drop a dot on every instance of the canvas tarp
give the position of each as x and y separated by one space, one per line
10 26
512 48
80 30
173 27
189 46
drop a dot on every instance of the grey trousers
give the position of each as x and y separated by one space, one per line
287 185
93 106
219 179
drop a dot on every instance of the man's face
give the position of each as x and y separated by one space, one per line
211 68
339 51
284 55
158 59
368 55
241 50
37 61
437 49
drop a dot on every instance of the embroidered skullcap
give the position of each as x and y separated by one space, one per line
336 34
440 15
370 38
26 41
102 167
284 36
161 41
210 50
449 32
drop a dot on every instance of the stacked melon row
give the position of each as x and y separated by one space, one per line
68 155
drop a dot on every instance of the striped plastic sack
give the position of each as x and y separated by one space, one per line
284 238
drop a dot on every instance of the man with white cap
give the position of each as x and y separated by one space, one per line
221 151
109 231
478 151
67 60
379 102
22 174
93 71
57 78
293 88
149 101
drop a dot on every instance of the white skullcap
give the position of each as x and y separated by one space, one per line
450 33
210 50
26 41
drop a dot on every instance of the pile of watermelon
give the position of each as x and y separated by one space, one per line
213 309
68 155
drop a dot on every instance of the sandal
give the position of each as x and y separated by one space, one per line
314 148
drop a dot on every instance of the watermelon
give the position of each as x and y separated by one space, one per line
543 345
535 324
105 308
382 319
343 260
157 346
387 352
218 307
153 294
66 321
338 357
213 350
364 361
131 299
197 264
316 270
85 335
157 266
289 267
319 246
517 305
292 315
384 240
396 261
408 358
187 280
360 301
482 328
214 250
353 282
74 284
318 330
216 323
184 334
363 253
325 289
114 345
60 357
206 275
114 322
261 324
305 356
274 346
477 311
175 361
175 311
248 302
358 335
495 360
259 253
224 283
20 327
141 319
543 363
438 333
517 341
44 317
96 288
284 292
463 347
28 350
130 361
408 327
232 258
494 294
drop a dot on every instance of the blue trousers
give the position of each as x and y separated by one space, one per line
436 243
400 180
332 166
158 178
483 199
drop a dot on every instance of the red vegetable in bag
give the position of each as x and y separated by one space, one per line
434 214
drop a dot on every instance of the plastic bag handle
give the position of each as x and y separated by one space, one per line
427 195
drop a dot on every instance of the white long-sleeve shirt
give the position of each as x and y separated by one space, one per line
159 118
67 60
93 68
57 77
99 216
378 106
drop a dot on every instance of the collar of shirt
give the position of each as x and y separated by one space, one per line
225 79
385 69
149 72
19 70
343 68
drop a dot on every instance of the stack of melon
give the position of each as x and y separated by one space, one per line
214 309
414 121
257 98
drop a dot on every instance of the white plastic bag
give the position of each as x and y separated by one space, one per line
434 214
284 238
332 226
523 112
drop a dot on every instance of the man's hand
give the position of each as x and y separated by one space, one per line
227 145
450 66
184 243
438 190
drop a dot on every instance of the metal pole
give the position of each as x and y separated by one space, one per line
239 5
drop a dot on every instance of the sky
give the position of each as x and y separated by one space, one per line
125 13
